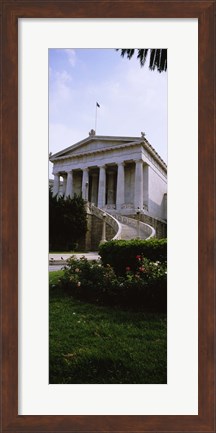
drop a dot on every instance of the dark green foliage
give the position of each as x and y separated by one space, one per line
120 254
67 222
158 57
88 280
93 344
145 288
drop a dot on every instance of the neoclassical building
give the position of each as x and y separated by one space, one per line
117 174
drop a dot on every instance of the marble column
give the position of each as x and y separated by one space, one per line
56 184
138 201
120 193
69 185
145 186
111 188
102 187
85 184
94 189
64 184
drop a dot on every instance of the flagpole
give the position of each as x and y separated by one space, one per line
97 105
96 119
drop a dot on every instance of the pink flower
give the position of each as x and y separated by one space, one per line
141 269
138 257
128 268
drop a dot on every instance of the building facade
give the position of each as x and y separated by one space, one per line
117 174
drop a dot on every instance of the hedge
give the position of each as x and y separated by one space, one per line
90 281
120 253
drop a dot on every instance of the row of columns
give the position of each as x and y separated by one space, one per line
120 192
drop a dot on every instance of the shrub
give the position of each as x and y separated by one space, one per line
144 287
87 280
67 222
120 254
146 284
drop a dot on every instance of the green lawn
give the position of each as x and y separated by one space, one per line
92 344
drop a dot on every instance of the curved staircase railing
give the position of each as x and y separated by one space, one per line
110 219
116 221
147 230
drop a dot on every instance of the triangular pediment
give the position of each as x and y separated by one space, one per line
92 144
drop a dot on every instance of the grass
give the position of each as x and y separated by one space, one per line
92 344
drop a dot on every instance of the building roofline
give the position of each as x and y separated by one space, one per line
95 138
129 140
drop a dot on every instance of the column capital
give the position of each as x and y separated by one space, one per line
139 160
69 171
121 163
102 166
86 169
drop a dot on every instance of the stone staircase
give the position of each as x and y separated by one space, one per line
128 232
125 228
132 229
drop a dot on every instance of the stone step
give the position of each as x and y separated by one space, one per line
128 232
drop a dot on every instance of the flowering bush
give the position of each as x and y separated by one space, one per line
143 286
146 269
121 254
146 284
87 279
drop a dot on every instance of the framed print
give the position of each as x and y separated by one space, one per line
29 29
184 382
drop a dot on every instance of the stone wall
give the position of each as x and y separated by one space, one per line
157 187
94 233
159 226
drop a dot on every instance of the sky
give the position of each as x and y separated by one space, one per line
131 98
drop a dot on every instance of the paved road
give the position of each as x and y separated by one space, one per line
53 268
63 257
89 256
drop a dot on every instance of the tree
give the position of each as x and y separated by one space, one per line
157 57
67 222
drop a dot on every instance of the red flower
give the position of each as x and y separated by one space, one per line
138 257
141 269
128 268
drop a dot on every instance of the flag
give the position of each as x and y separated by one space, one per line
97 104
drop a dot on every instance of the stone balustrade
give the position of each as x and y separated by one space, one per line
146 229
110 220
